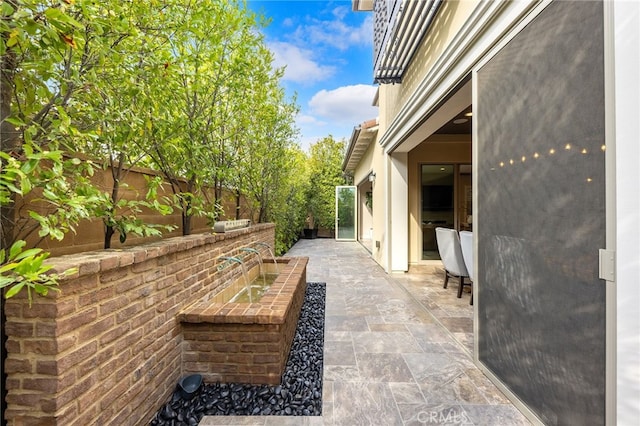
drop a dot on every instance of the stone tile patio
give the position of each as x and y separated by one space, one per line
397 349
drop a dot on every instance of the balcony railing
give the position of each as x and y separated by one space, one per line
399 27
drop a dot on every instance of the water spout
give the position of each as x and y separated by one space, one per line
228 260
249 249
247 284
273 256
252 250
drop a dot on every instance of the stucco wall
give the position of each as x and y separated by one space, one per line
449 19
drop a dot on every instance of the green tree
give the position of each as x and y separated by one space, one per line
127 51
289 210
325 173
61 63
210 81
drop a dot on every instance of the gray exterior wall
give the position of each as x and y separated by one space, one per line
541 214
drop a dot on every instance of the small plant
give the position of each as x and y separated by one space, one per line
26 269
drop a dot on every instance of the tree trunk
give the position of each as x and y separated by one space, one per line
186 224
108 233
237 205
10 141
116 173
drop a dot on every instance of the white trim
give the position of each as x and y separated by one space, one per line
489 21
477 219
624 29
610 212
398 224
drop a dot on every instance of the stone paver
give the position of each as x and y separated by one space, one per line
397 349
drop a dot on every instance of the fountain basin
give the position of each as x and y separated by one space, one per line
245 342
236 290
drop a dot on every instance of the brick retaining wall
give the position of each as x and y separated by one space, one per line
107 349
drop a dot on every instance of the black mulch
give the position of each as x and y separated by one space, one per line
299 393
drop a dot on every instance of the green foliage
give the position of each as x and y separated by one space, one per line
24 269
44 175
290 212
187 88
325 173
58 185
122 216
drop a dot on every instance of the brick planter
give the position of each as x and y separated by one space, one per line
108 348
246 342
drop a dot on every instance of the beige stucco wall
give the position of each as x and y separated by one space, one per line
373 161
449 19
439 149
391 99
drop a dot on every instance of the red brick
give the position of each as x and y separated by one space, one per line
126 258
28 418
48 385
89 398
95 297
76 321
107 263
168 259
66 306
88 266
86 417
14 366
265 359
97 328
41 347
128 312
13 308
23 399
113 305
47 368
128 367
115 333
113 394
80 285
77 356
19 329
148 264
78 388
143 318
129 283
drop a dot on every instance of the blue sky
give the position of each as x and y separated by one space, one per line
327 50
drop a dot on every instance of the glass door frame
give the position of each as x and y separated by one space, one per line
354 189
458 193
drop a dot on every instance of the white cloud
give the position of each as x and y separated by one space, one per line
287 23
347 104
299 62
335 33
304 119
340 12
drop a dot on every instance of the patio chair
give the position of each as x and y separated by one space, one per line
451 254
466 244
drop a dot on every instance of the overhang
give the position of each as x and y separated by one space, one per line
361 138
362 5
